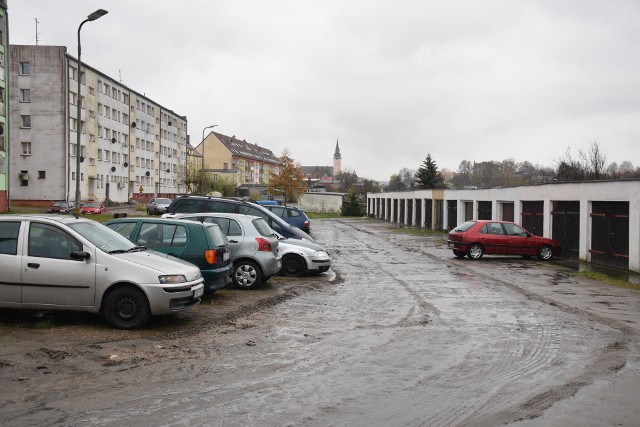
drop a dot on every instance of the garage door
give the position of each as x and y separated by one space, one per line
610 234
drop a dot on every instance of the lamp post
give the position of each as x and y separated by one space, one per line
95 15
202 169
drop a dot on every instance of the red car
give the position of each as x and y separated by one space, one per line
476 238
93 208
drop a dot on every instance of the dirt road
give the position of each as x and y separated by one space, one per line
401 333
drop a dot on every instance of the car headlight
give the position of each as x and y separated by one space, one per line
322 254
171 279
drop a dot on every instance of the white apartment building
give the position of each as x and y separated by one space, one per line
131 146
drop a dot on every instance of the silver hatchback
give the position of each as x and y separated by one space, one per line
253 245
68 263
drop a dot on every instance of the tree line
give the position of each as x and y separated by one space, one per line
585 166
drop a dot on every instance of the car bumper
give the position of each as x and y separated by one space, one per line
217 278
457 246
271 266
170 299
320 264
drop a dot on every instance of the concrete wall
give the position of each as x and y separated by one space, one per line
321 202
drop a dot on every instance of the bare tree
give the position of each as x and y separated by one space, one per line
595 161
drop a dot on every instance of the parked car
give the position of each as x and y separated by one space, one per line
476 238
253 244
61 206
293 215
158 205
91 208
203 245
300 257
202 204
75 263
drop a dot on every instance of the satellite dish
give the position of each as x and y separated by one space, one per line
113 140
147 173
125 164
169 123
133 124
81 159
113 168
168 170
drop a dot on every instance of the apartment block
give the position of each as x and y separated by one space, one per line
130 145
4 111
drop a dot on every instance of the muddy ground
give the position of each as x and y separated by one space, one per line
399 332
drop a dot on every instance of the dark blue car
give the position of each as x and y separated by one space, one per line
293 215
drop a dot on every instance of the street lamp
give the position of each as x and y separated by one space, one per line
202 168
95 15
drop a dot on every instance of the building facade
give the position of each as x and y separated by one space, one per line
4 109
131 146
597 222
238 161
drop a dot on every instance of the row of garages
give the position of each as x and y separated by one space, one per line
597 222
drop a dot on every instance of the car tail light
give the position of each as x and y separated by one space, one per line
306 224
263 244
211 256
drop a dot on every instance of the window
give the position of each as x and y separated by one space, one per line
26 148
24 178
73 73
73 123
42 174
92 90
92 137
92 114
72 98
25 121
25 68
9 237
25 95
46 241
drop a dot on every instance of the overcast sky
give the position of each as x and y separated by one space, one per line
392 80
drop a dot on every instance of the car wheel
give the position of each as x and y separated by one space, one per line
459 254
246 274
545 253
475 251
126 308
293 265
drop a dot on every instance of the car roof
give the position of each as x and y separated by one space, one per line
62 219
218 215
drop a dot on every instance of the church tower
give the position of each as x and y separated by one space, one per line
337 161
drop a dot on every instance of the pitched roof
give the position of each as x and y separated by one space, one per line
244 149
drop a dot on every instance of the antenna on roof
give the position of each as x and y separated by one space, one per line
36 19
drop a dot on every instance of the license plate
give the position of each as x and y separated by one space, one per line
225 256
198 293
450 244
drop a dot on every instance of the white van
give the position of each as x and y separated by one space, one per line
51 262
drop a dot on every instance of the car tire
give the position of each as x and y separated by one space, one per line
293 265
126 308
459 254
475 251
545 253
246 274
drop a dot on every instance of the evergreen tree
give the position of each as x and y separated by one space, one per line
428 177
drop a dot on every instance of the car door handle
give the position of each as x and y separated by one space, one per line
233 241
33 265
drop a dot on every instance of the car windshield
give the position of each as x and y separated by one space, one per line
91 205
61 204
163 201
102 236
465 226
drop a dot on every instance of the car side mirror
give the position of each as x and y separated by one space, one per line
80 255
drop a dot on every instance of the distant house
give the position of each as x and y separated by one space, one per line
243 163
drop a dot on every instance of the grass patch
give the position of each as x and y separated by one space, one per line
605 278
322 215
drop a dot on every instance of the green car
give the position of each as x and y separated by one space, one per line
203 245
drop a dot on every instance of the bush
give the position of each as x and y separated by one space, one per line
351 205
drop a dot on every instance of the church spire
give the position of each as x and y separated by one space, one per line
336 155
337 160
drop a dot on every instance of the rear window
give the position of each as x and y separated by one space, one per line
219 206
465 226
262 227
217 236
